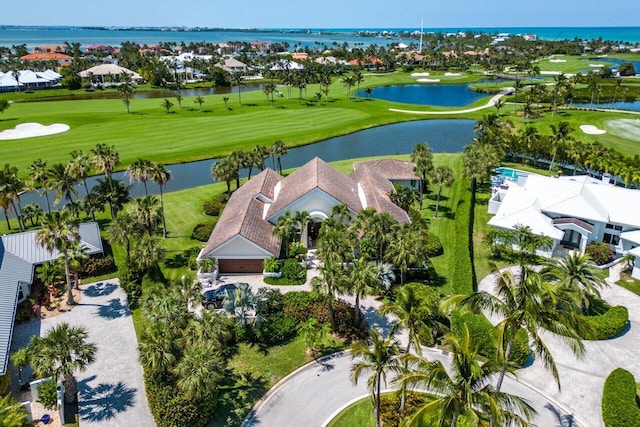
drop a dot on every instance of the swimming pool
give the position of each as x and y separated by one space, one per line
508 172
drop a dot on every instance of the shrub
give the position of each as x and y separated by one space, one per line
619 400
484 337
599 252
48 393
170 409
213 207
98 266
296 249
202 231
271 265
433 246
608 325
294 271
275 328
390 407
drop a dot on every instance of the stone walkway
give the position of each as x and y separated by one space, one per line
111 390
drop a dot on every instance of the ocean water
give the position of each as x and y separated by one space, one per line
34 36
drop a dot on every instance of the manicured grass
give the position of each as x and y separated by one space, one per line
629 283
572 64
358 414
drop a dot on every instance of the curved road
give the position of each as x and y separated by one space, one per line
491 103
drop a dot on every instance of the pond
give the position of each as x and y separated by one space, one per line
444 95
618 105
444 136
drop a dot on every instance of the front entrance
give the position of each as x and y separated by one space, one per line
313 231
571 239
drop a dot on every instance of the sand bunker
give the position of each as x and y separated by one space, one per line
596 65
30 130
557 60
592 130
550 73
428 80
624 128
419 74
452 74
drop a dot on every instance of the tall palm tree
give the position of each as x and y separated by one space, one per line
362 277
40 178
262 153
381 357
63 183
80 167
405 250
123 229
328 283
59 232
158 348
63 351
465 389
245 305
442 177
422 158
532 304
223 170
278 149
579 275
237 79
11 189
146 210
147 253
560 137
285 229
105 158
527 244
161 175
199 100
140 170
115 193
126 89
197 369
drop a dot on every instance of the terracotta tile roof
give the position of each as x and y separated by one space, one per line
45 57
376 190
317 174
243 215
390 168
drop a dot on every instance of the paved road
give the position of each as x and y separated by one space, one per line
111 390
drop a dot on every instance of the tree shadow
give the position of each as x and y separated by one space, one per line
100 289
104 401
561 420
114 310
238 392
377 320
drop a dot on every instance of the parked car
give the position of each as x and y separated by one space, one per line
213 298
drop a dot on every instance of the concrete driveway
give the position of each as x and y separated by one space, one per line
111 390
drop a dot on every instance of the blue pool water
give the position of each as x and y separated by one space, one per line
508 172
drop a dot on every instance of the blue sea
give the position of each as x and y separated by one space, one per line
34 36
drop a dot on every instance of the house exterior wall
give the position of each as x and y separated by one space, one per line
239 247
315 200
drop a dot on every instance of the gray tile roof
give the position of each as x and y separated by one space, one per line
19 253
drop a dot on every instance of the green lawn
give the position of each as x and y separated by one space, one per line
628 282
358 414
572 64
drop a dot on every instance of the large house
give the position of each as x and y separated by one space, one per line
243 237
572 210
19 254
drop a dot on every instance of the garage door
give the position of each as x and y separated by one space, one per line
240 265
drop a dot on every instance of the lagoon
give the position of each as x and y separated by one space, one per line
443 95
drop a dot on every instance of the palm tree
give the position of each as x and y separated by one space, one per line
146 210
262 154
244 305
579 275
382 229
225 99
80 167
32 212
158 348
405 250
422 158
560 137
498 105
348 82
123 229
465 389
147 254
527 244
161 175
278 149
40 178
327 283
140 170
60 353
197 369
532 304
381 357
59 232
126 89
20 359
362 277
105 158
285 229
63 183
237 79
199 100
11 188
357 79
12 413
223 170
115 193
442 176
167 105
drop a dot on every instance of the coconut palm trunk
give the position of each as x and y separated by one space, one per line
503 370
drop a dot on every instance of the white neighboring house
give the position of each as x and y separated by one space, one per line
19 254
572 210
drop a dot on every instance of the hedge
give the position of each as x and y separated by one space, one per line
202 231
484 337
98 266
608 325
213 207
463 275
619 400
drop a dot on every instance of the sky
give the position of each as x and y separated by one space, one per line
322 13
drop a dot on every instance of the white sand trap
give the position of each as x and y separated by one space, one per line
419 74
29 130
592 130
452 74
428 80
624 128
596 65
557 60
550 73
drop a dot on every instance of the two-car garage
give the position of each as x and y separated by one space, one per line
240 265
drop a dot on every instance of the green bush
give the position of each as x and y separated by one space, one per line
484 337
48 394
271 265
202 231
619 400
170 409
433 246
608 325
213 207
430 300
98 266
294 271
599 252
276 328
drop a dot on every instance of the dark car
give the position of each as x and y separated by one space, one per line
213 298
